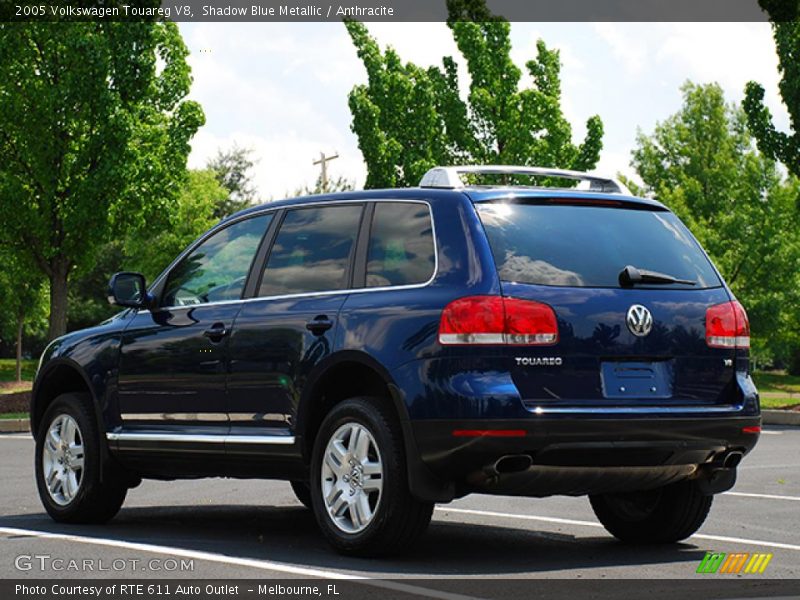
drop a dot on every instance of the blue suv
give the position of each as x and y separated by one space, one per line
386 350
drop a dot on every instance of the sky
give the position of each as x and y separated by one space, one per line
281 88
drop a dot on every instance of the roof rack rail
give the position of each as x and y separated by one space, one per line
450 177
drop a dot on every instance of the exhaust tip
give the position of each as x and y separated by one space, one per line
732 460
513 463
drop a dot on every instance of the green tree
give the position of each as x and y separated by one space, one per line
233 171
88 300
94 135
333 185
192 214
409 119
702 163
22 297
785 17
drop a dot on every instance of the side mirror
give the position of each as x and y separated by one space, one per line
128 289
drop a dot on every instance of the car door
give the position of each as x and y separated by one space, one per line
289 326
172 370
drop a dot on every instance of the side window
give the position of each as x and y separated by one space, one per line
217 269
312 251
401 248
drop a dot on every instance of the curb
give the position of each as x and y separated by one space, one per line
780 417
15 425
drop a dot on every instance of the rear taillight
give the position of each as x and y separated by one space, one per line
498 320
727 326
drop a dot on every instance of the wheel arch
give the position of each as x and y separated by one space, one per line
343 375
353 373
61 376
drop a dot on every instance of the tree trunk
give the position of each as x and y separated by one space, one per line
58 299
794 361
20 324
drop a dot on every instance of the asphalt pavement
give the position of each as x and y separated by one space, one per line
225 528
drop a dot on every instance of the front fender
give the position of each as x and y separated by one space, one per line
85 360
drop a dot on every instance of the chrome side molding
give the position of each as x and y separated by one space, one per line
631 410
194 438
223 417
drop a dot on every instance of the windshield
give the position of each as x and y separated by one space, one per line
588 246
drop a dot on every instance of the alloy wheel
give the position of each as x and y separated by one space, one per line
62 459
352 477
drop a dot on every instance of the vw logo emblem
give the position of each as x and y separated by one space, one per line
639 320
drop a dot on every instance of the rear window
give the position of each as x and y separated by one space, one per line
588 246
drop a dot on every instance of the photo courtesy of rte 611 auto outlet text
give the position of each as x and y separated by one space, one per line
448 299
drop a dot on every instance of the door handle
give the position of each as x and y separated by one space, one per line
319 325
216 332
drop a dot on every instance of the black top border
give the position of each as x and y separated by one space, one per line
287 11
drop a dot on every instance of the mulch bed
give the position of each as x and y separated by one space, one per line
15 402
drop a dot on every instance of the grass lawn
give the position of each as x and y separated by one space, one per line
777 381
8 369
779 401
17 415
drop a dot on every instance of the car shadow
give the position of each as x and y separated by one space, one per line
290 535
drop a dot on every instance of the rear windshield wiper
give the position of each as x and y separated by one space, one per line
630 276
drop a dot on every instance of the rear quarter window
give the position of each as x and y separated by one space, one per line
588 246
401 250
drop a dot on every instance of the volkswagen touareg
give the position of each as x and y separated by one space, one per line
385 350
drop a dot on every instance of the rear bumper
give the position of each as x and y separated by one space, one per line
577 456
574 448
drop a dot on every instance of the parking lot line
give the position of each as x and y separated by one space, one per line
489 513
182 552
745 541
775 466
766 496
702 536
265 565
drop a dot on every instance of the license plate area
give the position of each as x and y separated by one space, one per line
636 379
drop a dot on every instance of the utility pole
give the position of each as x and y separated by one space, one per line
323 162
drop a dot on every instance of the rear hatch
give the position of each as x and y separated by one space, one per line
638 339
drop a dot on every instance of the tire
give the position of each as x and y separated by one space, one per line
76 494
380 516
661 516
303 492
